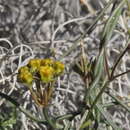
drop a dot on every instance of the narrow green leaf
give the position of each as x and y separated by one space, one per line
97 74
111 23
34 118
9 99
86 124
99 66
50 120
108 117
9 122
119 102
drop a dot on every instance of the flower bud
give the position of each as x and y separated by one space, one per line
34 65
47 62
58 67
46 73
26 78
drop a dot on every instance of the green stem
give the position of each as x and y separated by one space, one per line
98 74
67 116
114 103
117 62
105 84
31 116
51 122
116 76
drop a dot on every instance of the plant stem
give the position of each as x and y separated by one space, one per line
105 84
50 121
31 116
117 62
116 76
67 116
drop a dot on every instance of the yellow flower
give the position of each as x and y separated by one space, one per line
47 69
23 69
34 65
26 77
37 70
46 73
58 67
47 62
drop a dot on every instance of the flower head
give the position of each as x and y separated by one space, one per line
47 62
37 70
58 67
46 73
26 77
34 65
23 69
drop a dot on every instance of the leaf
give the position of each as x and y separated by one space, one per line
9 99
99 65
108 117
111 23
119 102
97 74
86 124
8 122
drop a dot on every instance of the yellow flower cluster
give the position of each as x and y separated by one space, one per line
46 69
25 75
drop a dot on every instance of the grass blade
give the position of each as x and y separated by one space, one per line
108 118
119 102
97 74
111 23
